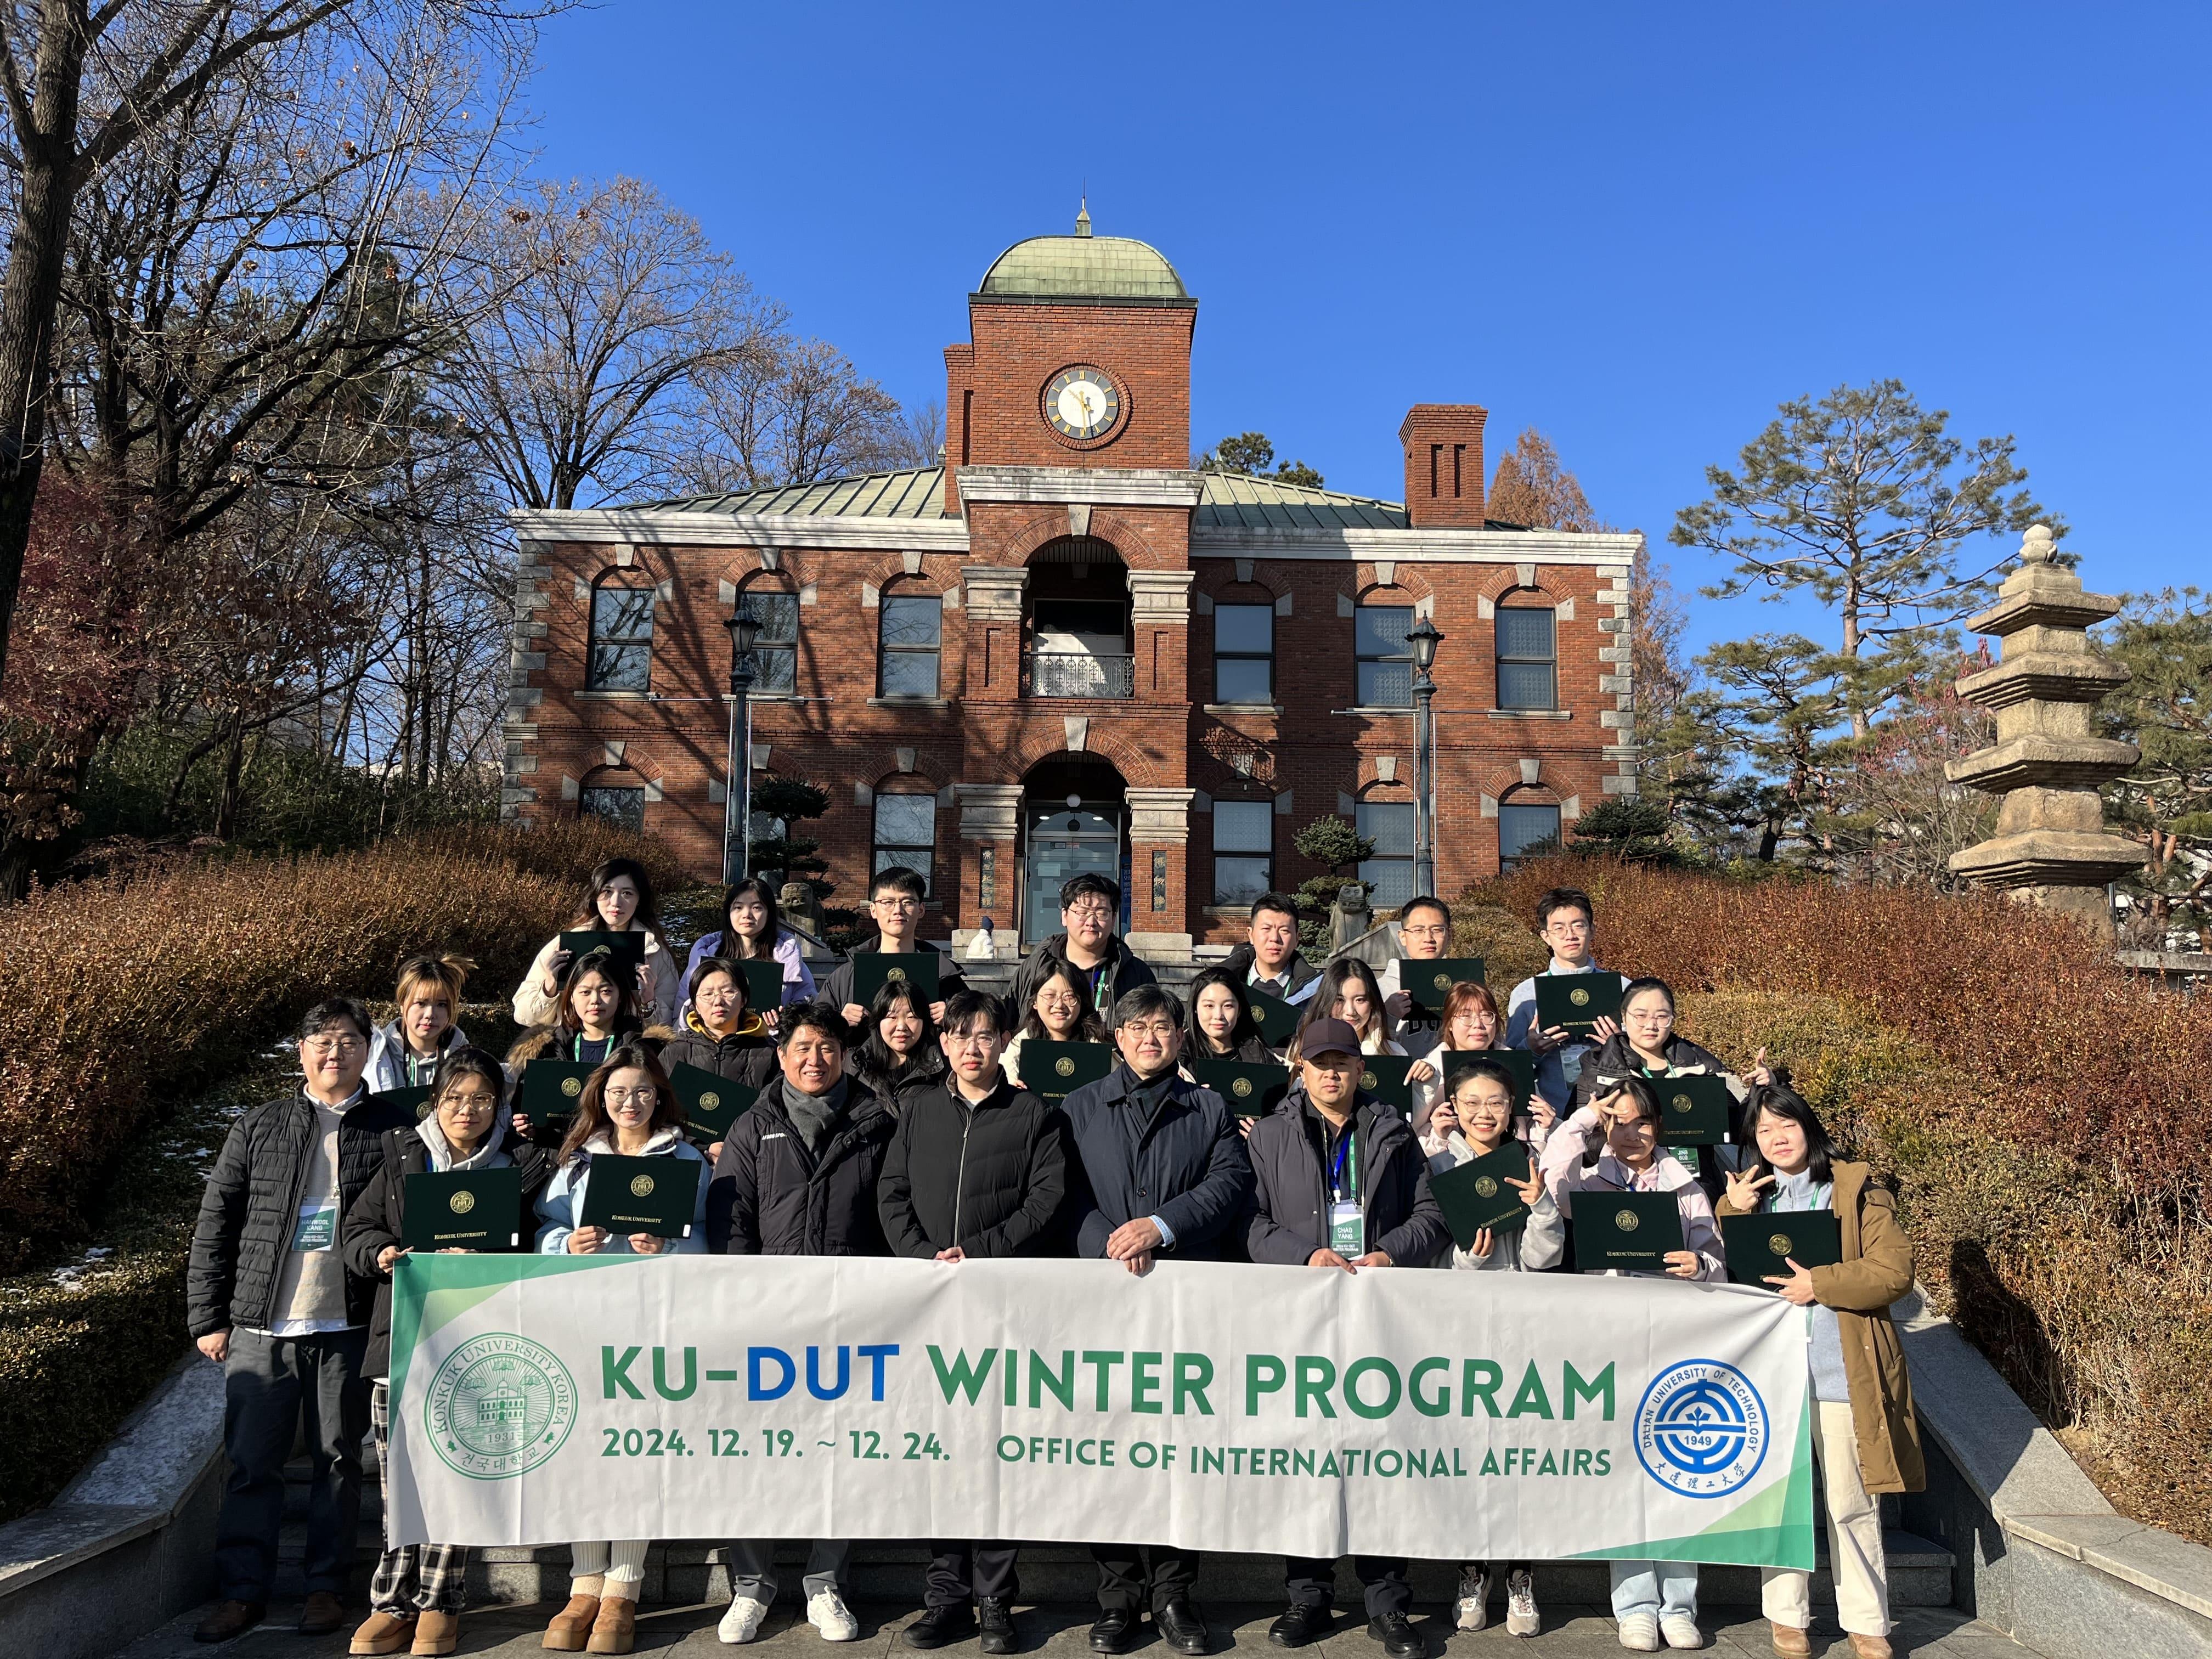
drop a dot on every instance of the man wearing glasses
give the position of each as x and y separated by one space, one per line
269 1299
1167 1179
895 900
1090 905
1567 922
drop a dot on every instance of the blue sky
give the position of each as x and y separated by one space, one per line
1637 227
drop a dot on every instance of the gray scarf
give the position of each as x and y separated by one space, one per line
815 1115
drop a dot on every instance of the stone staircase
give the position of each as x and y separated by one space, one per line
684 1573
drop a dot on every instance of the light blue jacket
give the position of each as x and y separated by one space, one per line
562 1202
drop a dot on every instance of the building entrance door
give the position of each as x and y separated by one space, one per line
1064 840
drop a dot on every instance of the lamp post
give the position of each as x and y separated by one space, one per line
1423 639
737 792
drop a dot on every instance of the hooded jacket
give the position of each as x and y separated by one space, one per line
378 1219
392 1065
1304 977
664 986
561 1205
990 1177
773 1195
252 1198
1568 1167
1125 972
1539 1244
1876 1269
1291 1185
747 1055
837 989
1181 1160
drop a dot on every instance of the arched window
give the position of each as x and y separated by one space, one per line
1389 825
906 828
1527 653
1385 660
1243 654
1527 823
617 797
621 655
776 647
909 634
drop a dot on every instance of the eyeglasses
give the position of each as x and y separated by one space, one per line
898 901
468 1102
325 1047
1090 913
644 1096
1433 930
1160 1029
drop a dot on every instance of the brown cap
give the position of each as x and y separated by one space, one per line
1327 1037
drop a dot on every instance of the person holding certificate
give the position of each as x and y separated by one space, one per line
896 897
721 1033
618 899
596 1015
1867 1440
419 1590
1059 1011
899 1060
1471 1024
627 1115
1566 920
1478 1094
752 931
1340 1183
1608 1150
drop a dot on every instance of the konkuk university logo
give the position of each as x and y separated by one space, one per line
1702 1430
500 1406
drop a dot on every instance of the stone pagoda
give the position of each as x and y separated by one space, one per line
2050 848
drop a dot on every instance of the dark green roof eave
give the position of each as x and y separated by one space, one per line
1144 303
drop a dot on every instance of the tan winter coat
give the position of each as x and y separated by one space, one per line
1875 1271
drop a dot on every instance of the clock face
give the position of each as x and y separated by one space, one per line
1082 403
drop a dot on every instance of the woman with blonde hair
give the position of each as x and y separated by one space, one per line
405 1053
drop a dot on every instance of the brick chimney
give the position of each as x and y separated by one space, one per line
1443 465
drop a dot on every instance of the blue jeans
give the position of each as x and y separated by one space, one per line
1662 1589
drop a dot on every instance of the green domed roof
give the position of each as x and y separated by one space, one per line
1118 269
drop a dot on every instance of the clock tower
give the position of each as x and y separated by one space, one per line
1067 452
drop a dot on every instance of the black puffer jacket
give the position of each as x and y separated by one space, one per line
1126 972
990 1178
252 1198
378 1219
1292 1186
770 1196
900 1089
747 1057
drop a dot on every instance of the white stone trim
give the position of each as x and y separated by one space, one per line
1490 806
1075 728
1283 605
1386 768
1103 486
654 790
1159 815
903 758
762 532
911 558
1160 597
1530 771
1283 804
995 592
871 596
989 811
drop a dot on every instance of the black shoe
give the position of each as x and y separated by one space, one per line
1397 1635
940 1627
1181 1627
1115 1630
995 1619
1301 1622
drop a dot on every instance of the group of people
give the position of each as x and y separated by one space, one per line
903 1126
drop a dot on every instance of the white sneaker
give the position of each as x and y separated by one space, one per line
1472 1610
1681 1632
1521 1616
1639 1633
741 1622
827 1611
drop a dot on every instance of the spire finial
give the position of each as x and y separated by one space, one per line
2038 546
1083 216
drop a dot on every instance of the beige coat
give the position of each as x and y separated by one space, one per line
1875 1271
663 977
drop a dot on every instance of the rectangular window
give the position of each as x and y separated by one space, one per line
775 648
1244 850
621 638
1520 828
910 631
906 832
1527 654
1389 825
1244 653
623 807
1386 661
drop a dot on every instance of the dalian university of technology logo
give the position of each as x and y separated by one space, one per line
500 1406
1702 1430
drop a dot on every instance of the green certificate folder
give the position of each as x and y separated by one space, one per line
414 1100
465 1210
1759 1245
763 984
1385 1078
1251 1088
1519 1062
1473 1195
1054 1071
711 1102
1693 1111
628 948
1275 1018
1577 1001
873 970
653 1195
1634 1232
550 1089
1429 982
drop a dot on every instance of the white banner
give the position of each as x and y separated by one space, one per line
1277 1409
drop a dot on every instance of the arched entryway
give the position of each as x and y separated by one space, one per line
1079 641
1074 818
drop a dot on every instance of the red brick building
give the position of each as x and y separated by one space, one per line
1065 649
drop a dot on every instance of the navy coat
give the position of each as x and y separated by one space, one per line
1184 1164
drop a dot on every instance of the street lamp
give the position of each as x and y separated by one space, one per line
1422 638
737 794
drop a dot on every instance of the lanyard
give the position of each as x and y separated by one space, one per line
1345 1167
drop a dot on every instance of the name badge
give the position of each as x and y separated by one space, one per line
317 1228
1347 1229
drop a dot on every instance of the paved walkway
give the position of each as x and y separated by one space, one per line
1059 1630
